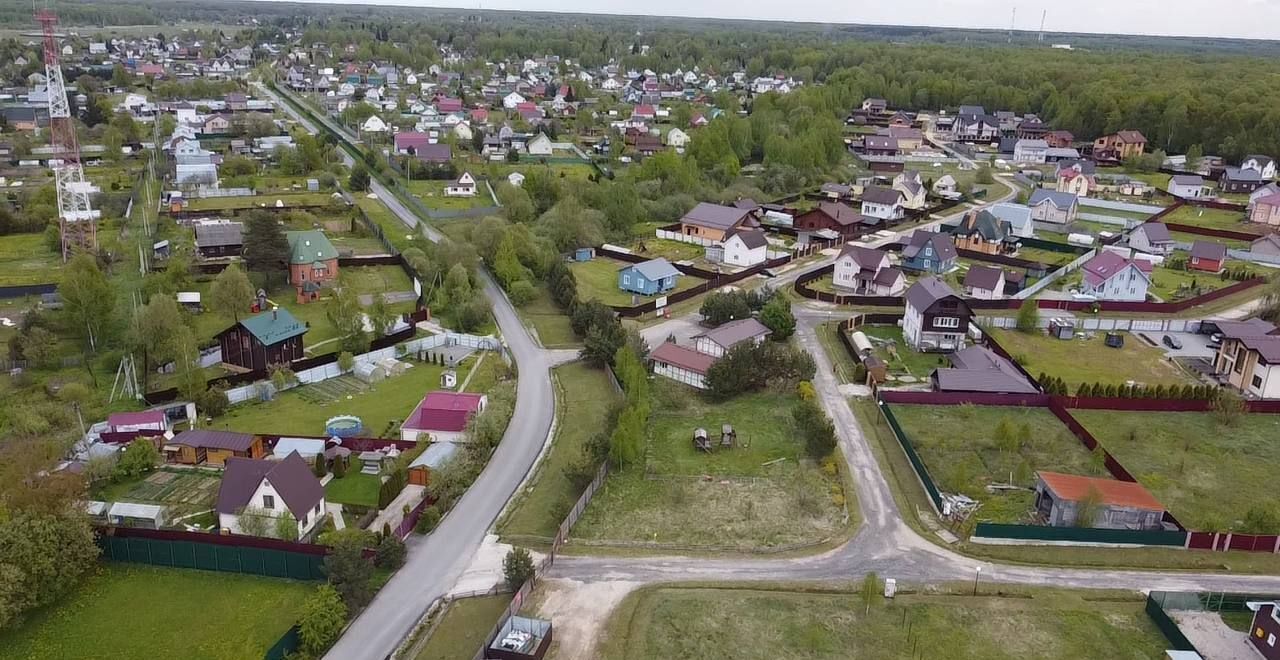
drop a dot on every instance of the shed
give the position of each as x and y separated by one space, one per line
96 510
1061 328
131 514
307 448
584 254
190 300
1119 504
436 455
700 440
520 638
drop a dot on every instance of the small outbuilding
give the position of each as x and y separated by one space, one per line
132 514
1061 498
520 638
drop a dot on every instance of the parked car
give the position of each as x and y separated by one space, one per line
1172 342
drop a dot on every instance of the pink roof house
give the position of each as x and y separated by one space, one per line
442 416
129 422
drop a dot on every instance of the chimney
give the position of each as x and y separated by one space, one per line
275 313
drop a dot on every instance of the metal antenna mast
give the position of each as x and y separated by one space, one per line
1012 20
77 221
1043 15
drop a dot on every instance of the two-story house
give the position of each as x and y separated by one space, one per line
910 185
1075 178
1119 145
1029 151
1240 180
1051 206
1109 276
1265 166
1266 210
745 247
984 282
1264 630
867 271
883 204
271 490
712 222
1249 357
981 231
313 263
929 252
936 319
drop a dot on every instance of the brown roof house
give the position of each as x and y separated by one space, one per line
979 369
713 222
1061 498
206 447
270 490
716 342
867 272
681 364
936 319
1119 145
1249 358
835 216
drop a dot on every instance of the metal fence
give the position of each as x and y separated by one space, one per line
1167 625
218 553
988 532
916 463
284 646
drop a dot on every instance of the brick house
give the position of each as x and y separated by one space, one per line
313 263
1119 145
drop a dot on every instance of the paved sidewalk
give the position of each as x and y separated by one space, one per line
394 513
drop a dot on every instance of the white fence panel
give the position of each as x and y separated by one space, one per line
1120 206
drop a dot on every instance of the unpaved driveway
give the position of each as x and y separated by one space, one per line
580 611
1212 637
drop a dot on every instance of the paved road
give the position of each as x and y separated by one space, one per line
436 560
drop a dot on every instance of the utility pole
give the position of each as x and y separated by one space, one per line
1012 20
1043 15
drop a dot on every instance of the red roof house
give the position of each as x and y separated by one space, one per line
681 364
442 415
147 420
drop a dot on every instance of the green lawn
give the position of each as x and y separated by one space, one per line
598 280
354 488
1205 473
260 201
304 409
137 612
358 245
549 321
1171 284
462 631
400 235
431 193
1090 360
674 623
902 359
377 279
1232 244
584 398
758 494
1209 218
960 448
26 259
673 250
1048 257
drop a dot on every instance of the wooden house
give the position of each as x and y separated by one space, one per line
206 447
254 343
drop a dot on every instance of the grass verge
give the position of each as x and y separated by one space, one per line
463 628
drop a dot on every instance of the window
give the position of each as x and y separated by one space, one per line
946 322
268 502
317 509
1241 354
926 264
1271 640
1257 381
626 280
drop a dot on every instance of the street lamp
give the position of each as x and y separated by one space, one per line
977 572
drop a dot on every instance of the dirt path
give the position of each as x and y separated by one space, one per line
580 611
1212 637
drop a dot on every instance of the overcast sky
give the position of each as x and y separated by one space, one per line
1256 19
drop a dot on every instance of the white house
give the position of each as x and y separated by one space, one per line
1030 151
1186 185
373 124
984 282
1152 238
945 186
677 138
464 186
868 272
1265 166
718 341
510 101
1109 276
462 131
745 247
540 145
270 489
1018 217
883 203
516 179
681 364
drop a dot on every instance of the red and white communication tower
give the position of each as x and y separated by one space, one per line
77 220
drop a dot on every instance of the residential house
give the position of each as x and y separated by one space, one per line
438 153
1269 189
409 142
908 139
984 283
510 101
745 247
1249 357
936 319
257 342
836 191
979 369
1264 629
681 364
539 145
880 145
1152 238
463 186
1059 139
1190 186
980 231
867 272
713 222
647 144
834 216
270 489
1207 256
442 416
1266 210
1076 179
977 126
1030 151
929 252
1062 498
648 278
1017 216
946 186
913 192
1268 246
374 124
1051 206
1109 276
215 240
716 342
147 423
313 263
1119 145
1265 166
1239 180
677 138
882 203
215 125
209 447
875 106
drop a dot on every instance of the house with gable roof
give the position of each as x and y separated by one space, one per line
648 278
909 184
867 272
713 222
929 252
261 340
1152 238
717 341
981 231
745 247
1109 276
1051 206
936 319
270 489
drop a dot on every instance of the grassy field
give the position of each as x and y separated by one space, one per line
358 245
1209 218
377 279
1232 244
401 236
584 398
260 201
549 321
464 627
598 280
135 612
432 194
1176 284
673 250
25 259
670 623
960 448
1090 360
1048 257
1206 474
840 359
759 494
354 488
304 409
902 360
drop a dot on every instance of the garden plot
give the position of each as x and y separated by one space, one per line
181 491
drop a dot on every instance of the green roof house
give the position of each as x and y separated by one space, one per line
273 337
313 263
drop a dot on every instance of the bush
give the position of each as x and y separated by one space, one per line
428 520
214 401
139 458
517 568
390 552
322 620
521 292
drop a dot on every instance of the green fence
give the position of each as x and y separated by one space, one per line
213 557
916 463
1167 626
284 646
1052 246
1079 534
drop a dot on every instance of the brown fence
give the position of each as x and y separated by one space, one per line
802 288
1215 233
717 280
957 398
996 348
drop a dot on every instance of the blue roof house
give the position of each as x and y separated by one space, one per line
648 278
